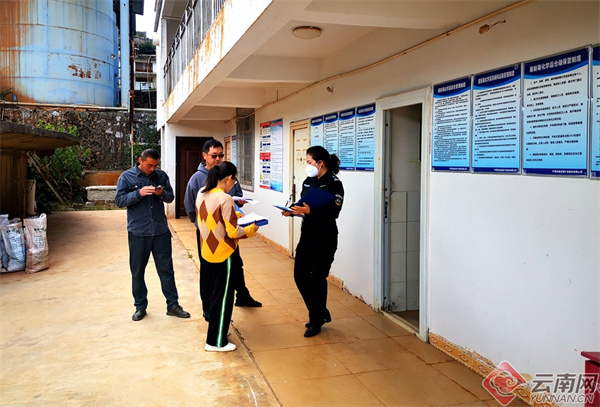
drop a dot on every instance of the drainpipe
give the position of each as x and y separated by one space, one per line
131 80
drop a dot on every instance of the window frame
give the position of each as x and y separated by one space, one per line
245 147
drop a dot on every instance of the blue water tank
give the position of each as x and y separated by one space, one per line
59 51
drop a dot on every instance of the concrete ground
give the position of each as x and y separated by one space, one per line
67 338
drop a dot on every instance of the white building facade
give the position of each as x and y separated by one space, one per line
490 266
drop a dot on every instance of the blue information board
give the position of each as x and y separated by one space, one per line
451 126
330 132
595 133
347 139
316 131
365 138
496 121
555 114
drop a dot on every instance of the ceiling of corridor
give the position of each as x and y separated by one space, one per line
271 62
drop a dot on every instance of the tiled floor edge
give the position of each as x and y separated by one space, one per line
399 321
480 365
273 244
242 341
338 282
174 234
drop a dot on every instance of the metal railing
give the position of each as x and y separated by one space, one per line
197 19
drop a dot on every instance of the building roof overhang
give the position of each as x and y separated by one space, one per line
14 136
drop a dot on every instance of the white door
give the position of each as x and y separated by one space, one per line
301 142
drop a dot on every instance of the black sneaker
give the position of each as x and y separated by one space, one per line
177 311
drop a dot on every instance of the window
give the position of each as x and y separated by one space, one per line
245 147
227 149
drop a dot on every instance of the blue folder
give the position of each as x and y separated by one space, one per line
316 198
283 208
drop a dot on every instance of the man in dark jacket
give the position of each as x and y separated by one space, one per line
142 190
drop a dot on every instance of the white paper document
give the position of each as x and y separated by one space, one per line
248 200
253 218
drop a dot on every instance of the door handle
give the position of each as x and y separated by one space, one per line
385 210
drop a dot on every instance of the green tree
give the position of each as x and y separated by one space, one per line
65 166
146 48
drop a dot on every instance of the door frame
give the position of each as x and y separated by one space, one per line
424 97
297 125
182 145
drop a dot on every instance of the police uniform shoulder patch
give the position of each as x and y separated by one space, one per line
338 200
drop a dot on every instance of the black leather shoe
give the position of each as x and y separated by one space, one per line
250 302
326 320
139 314
205 316
177 311
312 330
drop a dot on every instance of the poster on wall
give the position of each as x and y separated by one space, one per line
265 155
496 121
451 126
277 155
365 138
330 132
316 131
595 135
271 155
347 139
555 114
234 150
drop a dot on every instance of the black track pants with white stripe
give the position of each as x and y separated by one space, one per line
221 302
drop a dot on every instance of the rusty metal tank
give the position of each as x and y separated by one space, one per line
59 51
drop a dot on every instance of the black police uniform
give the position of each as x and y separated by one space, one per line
317 246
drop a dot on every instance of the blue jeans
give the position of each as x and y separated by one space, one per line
140 248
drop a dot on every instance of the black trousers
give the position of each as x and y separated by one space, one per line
237 277
221 302
314 256
140 248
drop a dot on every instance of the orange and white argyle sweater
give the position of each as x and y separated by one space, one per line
217 222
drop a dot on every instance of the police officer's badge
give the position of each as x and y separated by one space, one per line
338 200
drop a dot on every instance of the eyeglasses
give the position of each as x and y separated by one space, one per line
214 156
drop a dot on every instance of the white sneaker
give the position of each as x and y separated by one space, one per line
227 348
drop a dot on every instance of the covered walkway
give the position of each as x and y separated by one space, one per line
67 338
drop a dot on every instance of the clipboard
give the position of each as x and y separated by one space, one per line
283 208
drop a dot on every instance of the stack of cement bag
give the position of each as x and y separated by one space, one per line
23 249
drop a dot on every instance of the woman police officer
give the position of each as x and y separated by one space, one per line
319 235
